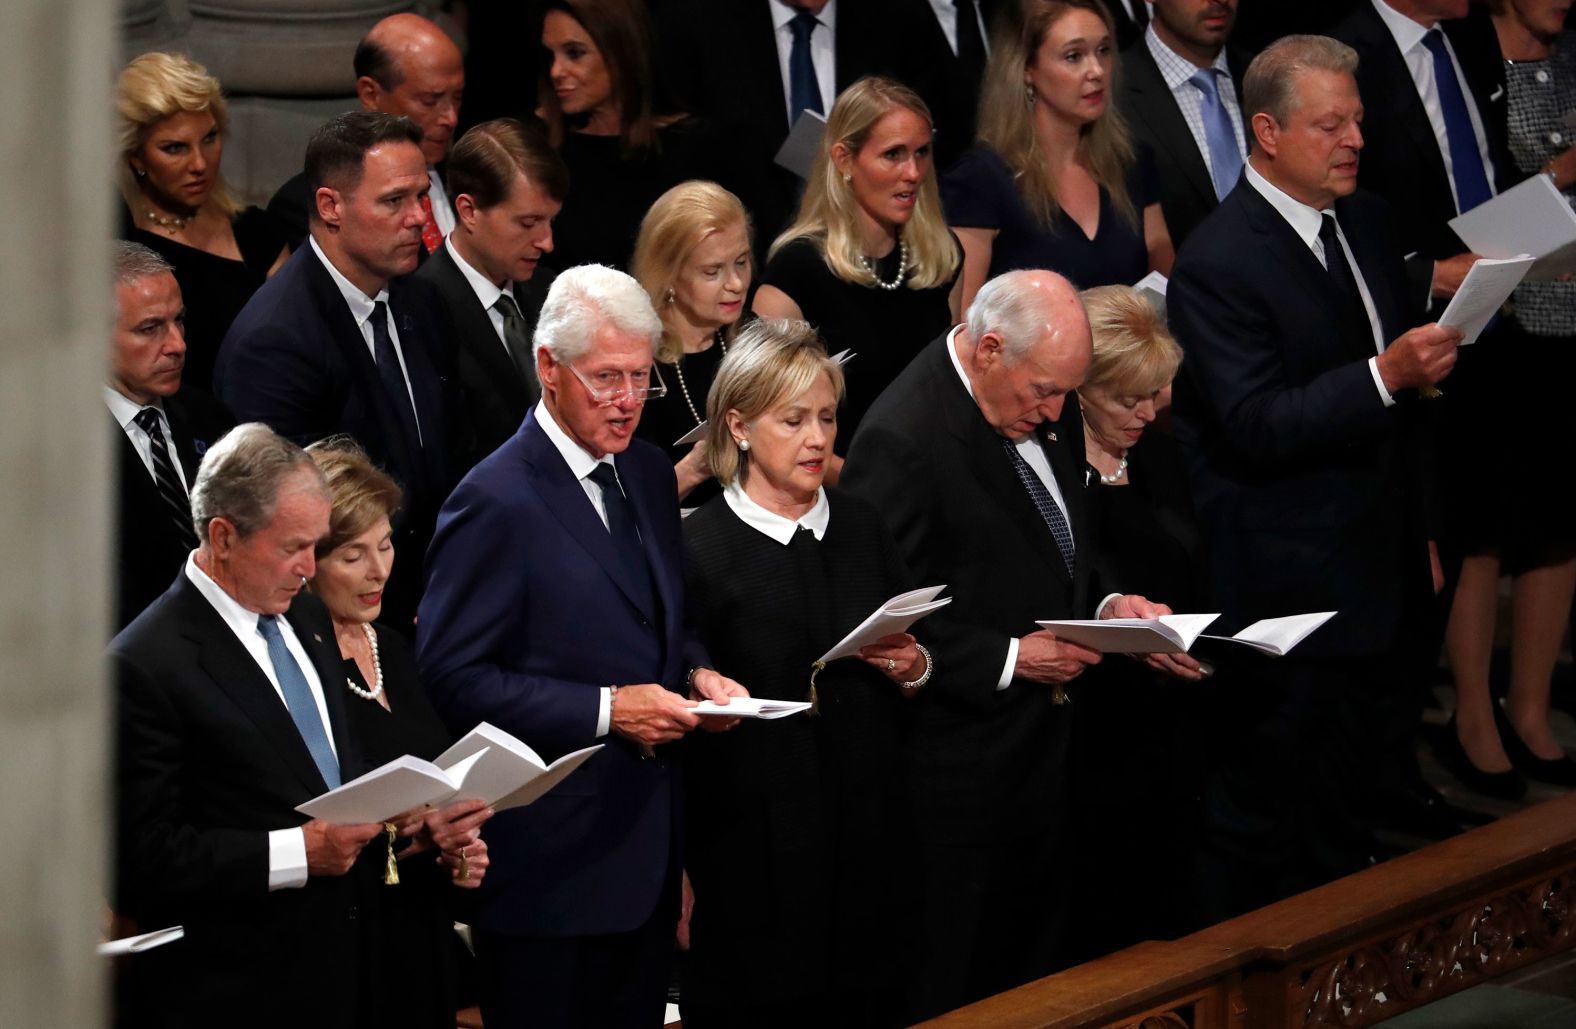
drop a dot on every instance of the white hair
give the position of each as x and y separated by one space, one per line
1011 307
584 299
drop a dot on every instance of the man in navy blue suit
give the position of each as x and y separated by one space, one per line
337 342
554 609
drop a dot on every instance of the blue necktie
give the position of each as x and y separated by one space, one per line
625 530
804 92
1044 503
298 698
389 372
1466 163
1225 160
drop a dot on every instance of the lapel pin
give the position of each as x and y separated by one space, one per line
315 636
1051 436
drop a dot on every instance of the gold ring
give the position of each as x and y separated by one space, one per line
465 864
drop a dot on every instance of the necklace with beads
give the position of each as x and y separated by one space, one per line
678 369
1116 476
902 267
377 669
168 222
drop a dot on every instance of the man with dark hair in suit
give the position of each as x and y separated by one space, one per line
554 610
405 66
337 342
975 456
1298 410
508 184
164 434
228 719
951 43
1180 95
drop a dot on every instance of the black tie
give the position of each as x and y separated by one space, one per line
621 525
1140 13
971 48
389 371
515 337
167 479
1341 272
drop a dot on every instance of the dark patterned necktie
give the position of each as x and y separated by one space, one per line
621 525
392 376
1044 503
167 478
515 337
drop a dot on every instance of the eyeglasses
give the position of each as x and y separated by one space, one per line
612 386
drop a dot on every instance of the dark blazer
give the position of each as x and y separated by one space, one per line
987 764
1312 492
1187 193
949 85
494 395
148 548
208 763
527 614
1401 160
295 360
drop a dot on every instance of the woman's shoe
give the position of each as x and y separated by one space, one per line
1556 771
1447 747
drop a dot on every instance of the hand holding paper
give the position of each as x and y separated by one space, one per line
1485 289
894 616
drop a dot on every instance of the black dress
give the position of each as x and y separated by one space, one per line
668 418
410 951
215 288
884 327
792 826
979 192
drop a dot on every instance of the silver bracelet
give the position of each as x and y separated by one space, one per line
930 666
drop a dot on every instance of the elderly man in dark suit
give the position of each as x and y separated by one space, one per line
336 342
228 718
554 609
975 457
1298 410
163 433
508 184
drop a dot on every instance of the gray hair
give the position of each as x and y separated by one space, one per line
1270 85
581 301
134 261
1011 307
241 475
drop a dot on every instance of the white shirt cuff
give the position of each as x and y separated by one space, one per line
286 859
1099 611
1384 394
604 713
1012 664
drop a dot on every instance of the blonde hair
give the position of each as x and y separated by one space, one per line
359 492
681 220
829 214
157 86
773 361
1134 353
1006 120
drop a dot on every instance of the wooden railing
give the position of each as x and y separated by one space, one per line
1355 952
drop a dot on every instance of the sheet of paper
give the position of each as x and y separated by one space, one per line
695 435
1530 218
556 773
144 941
896 615
844 356
1153 289
1277 636
1485 289
402 784
1168 634
751 707
511 774
799 150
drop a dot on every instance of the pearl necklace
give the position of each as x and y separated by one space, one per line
377 668
168 222
902 267
678 369
1116 476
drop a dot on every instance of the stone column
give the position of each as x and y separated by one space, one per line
56 59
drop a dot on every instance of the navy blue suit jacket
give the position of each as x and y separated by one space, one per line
526 615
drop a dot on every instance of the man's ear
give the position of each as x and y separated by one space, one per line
465 211
326 202
988 349
369 92
1266 133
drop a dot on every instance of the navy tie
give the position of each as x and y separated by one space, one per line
392 376
624 529
1341 272
298 698
804 92
1466 163
1044 503
1225 160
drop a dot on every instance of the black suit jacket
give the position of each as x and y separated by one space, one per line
1313 494
209 762
148 548
494 395
986 764
950 87
295 360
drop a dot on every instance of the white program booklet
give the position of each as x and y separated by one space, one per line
695 435
894 616
138 944
1530 218
1168 634
402 784
1276 636
798 151
510 774
844 356
1485 289
751 707
1153 289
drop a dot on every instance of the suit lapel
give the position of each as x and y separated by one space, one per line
185 444
757 35
316 636
1158 107
419 344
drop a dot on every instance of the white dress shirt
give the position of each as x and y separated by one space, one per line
1306 221
125 412
772 524
823 52
1408 36
442 210
1177 71
947 15
361 309
286 847
485 291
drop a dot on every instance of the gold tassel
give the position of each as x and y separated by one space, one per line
391 870
815 701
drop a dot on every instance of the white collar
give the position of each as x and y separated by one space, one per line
481 285
1174 68
124 409
957 364
242 621
782 14
770 523
361 306
1304 220
1407 32
579 460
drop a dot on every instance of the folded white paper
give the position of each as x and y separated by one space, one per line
1168 634
799 150
894 616
140 943
1530 218
1485 289
695 435
751 707
510 774
1153 289
844 356
1276 636
402 784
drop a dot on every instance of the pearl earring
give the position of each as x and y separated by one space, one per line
744 444
670 294
1028 94
140 173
